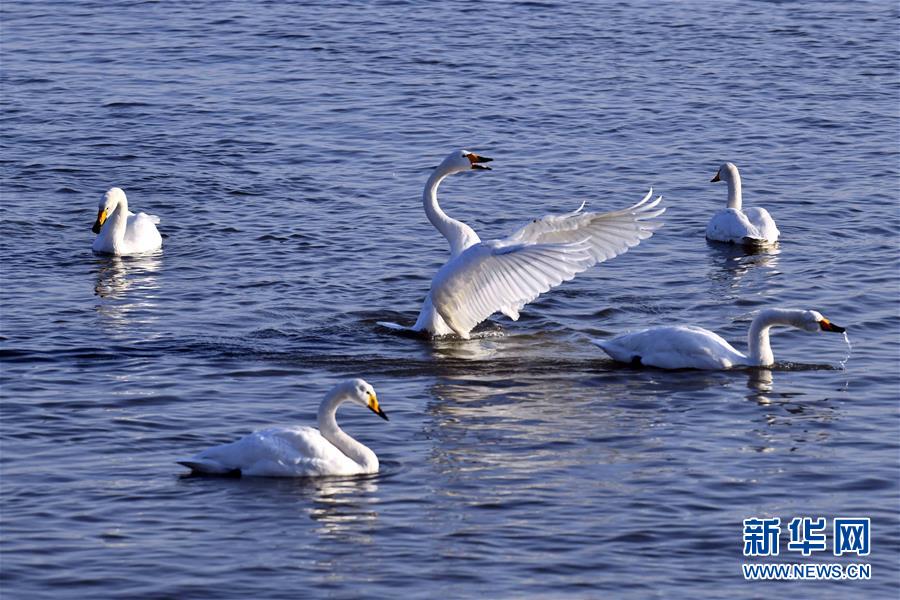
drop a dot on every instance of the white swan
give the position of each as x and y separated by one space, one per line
482 278
120 230
750 227
298 451
689 347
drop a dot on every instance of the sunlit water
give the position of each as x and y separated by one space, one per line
284 148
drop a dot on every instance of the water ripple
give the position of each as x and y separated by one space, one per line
284 147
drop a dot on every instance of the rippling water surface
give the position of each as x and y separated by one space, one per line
284 148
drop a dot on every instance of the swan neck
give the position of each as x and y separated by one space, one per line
433 210
330 430
458 234
118 220
734 191
758 338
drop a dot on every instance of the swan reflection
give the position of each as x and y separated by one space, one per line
516 424
730 264
512 427
496 346
126 287
345 507
761 383
476 348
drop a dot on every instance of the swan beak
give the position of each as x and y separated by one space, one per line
476 160
373 406
715 179
101 218
827 325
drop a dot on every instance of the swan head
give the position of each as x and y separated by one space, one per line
813 321
463 160
359 391
727 172
111 200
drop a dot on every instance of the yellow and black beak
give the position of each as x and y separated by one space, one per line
373 406
827 325
101 219
715 179
477 160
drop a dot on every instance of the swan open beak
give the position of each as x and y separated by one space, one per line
476 160
373 406
101 218
715 179
827 325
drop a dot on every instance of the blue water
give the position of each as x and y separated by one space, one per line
284 148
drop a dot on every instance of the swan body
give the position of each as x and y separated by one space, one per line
296 451
734 225
689 347
120 231
482 278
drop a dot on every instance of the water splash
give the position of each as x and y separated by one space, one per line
849 351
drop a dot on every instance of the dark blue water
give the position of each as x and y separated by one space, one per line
284 148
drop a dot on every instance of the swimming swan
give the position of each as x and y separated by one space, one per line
482 278
298 451
120 230
750 227
688 347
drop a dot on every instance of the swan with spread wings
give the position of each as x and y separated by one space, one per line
482 278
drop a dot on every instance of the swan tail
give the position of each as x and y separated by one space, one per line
599 343
611 350
403 330
394 326
208 467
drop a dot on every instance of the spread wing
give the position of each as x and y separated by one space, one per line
494 276
505 275
607 234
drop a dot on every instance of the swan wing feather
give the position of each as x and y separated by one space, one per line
607 234
763 222
275 451
500 276
753 225
141 233
678 347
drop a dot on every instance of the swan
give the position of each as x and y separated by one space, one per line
120 231
750 227
482 278
689 347
295 451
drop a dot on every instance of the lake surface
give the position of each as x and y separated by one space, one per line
285 147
